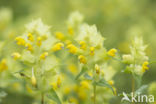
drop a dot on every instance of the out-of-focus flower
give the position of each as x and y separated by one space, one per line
137 59
92 49
74 19
112 52
85 84
16 55
29 47
90 35
30 37
128 59
3 65
82 59
83 45
97 69
39 41
20 41
57 47
72 48
111 82
145 66
37 26
59 81
59 35
44 55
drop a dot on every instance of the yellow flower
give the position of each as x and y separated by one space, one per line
16 55
59 81
73 68
111 82
102 73
92 51
33 79
82 94
67 90
73 100
84 84
82 59
145 66
3 65
20 41
30 37
54 85
29 46
68 42
72 48
97 69
70 31
59 35
44 37
29 89
44 55
39 41
112 52
83 45
57 47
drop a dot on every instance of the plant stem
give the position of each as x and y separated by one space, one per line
133 87
42 99
94 87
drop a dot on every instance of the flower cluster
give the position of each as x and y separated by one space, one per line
137 61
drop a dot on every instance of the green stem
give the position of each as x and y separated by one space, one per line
133 87
42 99
94 87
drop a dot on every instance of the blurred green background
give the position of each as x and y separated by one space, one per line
117 20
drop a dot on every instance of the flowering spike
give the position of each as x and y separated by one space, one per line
112 52
82 59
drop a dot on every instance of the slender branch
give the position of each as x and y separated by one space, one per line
94 88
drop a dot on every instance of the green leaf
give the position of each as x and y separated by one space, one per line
138 79
141 90
53 96
104 83
84 69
